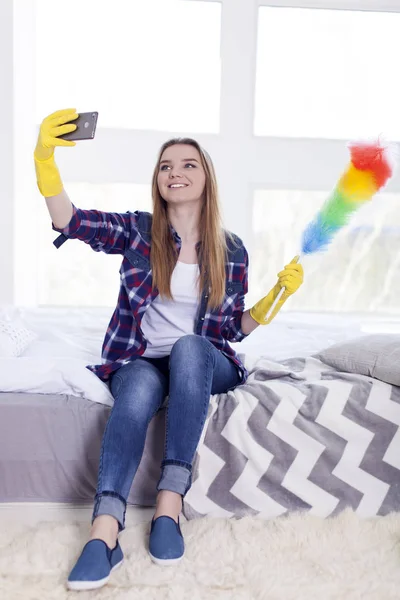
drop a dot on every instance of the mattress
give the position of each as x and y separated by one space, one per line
50 443
50 447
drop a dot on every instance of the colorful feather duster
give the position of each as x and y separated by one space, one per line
369 170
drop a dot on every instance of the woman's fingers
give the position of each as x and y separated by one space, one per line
291 269
60 120
289 280
61 113
291 277
56 131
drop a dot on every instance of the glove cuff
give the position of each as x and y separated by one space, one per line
253 316
48 177
260 310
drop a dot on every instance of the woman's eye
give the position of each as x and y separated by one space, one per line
165 167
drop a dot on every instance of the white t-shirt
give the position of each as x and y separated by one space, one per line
165 321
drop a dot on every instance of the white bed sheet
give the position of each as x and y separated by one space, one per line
71 338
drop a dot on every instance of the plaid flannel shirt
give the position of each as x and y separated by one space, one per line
129 234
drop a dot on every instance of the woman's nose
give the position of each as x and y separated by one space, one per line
175 172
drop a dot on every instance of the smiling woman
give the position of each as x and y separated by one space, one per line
185 195
169 333
181 169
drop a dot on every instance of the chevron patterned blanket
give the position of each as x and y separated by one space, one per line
298 436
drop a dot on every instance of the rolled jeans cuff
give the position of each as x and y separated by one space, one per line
175 478
110 505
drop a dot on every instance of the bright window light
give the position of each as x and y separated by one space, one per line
142 65
327 74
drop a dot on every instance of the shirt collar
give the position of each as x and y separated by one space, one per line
177 237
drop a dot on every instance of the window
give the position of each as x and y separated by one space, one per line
137 71
327 74
360 272
75 274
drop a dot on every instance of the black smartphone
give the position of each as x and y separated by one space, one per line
85 127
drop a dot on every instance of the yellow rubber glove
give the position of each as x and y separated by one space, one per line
47 175
291 278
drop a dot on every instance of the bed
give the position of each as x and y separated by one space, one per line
53 412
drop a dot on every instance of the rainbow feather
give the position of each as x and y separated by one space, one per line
369 170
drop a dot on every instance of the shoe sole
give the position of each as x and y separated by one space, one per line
92 585
165 562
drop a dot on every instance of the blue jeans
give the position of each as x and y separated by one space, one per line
193 371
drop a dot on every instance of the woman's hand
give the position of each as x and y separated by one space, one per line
52 127
47 174
291 277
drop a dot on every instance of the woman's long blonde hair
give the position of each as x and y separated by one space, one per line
213 249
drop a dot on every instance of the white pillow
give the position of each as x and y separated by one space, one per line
14 339
376 355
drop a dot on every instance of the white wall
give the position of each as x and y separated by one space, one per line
6 152
17 135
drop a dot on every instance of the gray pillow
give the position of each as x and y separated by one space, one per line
376 355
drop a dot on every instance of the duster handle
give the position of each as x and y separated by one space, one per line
279 296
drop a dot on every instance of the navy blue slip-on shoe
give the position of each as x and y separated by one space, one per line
166 545
93 567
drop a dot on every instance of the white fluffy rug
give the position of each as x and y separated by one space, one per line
298 557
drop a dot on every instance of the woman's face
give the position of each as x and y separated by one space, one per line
181 177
